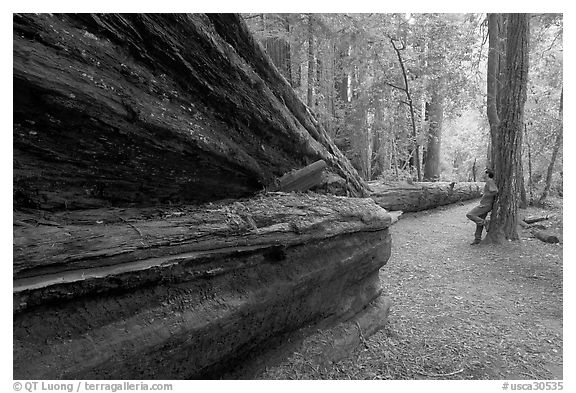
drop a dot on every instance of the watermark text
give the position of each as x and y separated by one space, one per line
85 386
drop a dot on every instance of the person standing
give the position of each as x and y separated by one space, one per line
479 213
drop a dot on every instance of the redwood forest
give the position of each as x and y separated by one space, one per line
288 196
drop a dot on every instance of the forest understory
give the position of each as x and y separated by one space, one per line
459 311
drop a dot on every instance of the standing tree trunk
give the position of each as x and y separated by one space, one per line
394 157
406 89
530 183
311 78
507 138
522 186
278 48
557 145
361 133
432 165
493 81
341 73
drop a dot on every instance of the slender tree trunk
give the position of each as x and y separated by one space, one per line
530 182
432 165
341 73
406 90
557 146
521 186
361 142
395 157
311 62
507 139
329 88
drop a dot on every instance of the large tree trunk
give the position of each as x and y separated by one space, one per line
123 110
277 46
507 139
422 195
180 293
494 26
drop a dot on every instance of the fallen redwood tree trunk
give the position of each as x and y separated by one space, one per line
422 195
547 236
145 109
181 292
533 219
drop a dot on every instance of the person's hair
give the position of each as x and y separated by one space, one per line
490 173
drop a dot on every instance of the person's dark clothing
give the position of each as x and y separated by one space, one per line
479 213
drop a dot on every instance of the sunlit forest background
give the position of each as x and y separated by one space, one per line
404 95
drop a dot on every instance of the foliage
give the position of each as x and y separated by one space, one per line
465 143
357 78
543 120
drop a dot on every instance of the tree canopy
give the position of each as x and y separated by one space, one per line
404 95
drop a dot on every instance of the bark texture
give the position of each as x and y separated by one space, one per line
507 141
494 82
423 195
436 110
164 293
138 109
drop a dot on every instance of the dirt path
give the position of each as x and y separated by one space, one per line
461 311
494 312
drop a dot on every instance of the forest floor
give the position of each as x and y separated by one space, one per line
459 311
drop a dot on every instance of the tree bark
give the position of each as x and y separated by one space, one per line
432 165
493 84
422 195
166 293
138 109
302 179
311 63
279 51
522 187
507 138
530 182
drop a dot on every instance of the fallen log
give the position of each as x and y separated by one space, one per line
318 345
350 334
145 109
531 226
422 195
177 292
533 219
547 237
302 179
